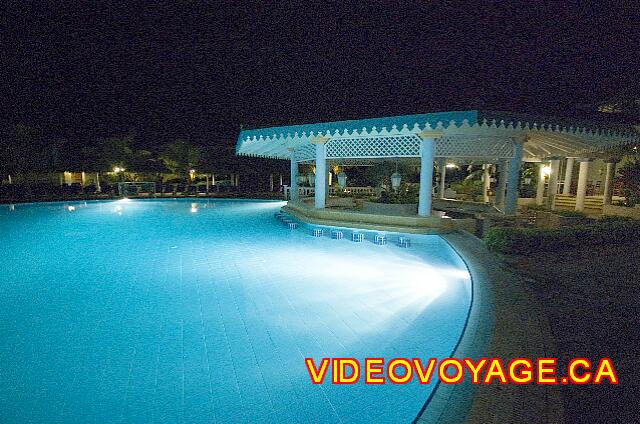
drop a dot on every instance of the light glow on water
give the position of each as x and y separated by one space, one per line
145 311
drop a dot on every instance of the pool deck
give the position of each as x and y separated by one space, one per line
506 323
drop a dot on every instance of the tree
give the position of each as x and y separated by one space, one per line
630 178
180 157
17 150
108 153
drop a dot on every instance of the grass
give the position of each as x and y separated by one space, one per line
592 298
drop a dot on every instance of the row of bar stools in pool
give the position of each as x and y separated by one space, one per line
286 220
356 237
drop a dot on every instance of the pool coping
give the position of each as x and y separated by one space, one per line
499 301
359 220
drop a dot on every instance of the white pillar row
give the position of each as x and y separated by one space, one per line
486 182
513 175
568 173
582 184
293 184
502 182
540 188
321 174
442 168
426 173
553 183
608 182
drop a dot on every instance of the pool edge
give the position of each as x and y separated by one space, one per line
503 299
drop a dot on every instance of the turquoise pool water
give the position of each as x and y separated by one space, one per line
189 311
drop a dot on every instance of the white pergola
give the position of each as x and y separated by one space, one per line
438 137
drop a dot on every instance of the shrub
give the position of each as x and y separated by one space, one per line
630 178
568 213
407 193
510 240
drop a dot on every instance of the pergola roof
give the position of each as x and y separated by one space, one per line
464 134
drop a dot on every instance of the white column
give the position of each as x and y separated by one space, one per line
608 182
442 168
513 175
568 173
328 185
98 188
486 182
540 188
426 176
213 179
293 184
502 183
321 175
553 183
582 184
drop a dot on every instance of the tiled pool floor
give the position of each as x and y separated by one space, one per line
173 312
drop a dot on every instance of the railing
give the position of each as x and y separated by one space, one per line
310 191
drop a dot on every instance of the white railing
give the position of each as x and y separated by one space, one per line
310 191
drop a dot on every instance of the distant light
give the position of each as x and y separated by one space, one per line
546 170
451 165
342 179
117 169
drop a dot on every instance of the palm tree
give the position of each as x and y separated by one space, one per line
180 157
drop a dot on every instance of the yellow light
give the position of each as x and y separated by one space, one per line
546 171
117 169
451 165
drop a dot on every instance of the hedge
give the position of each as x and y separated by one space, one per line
510 240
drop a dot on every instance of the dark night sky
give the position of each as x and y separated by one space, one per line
163 72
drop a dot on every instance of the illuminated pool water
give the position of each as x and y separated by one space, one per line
199 310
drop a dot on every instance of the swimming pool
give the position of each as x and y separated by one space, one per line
196 310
